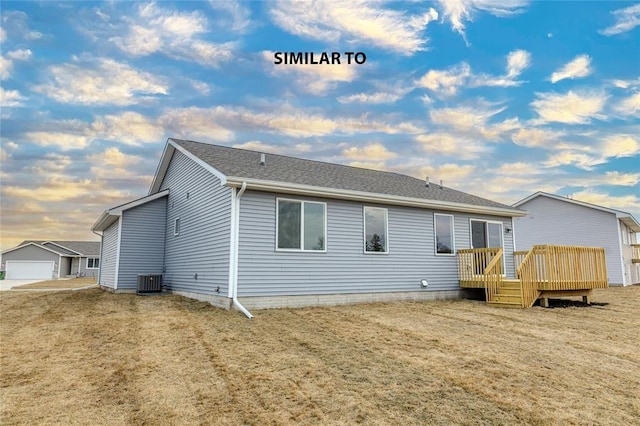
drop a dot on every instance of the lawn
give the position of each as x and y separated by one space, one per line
59 284
93 357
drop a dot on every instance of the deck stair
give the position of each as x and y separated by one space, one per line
508 295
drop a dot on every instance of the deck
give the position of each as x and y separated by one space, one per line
542 272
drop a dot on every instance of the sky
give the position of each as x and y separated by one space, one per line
496 98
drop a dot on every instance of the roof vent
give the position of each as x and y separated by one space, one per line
441 184
427 182
262 160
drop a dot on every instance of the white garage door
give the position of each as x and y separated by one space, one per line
29 270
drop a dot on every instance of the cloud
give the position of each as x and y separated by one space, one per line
112 163
446 144
578 67
3 35
629 106
20 54
15 26
577 159
630 202
374 98
447 82
316 79
358 22
130 128
100 81
240 16
371 152
459 11
626 20
65 141
6 65
620 145
263 147
10 98
537 137
569 108
473 120
174 34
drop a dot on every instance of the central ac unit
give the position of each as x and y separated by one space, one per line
149 283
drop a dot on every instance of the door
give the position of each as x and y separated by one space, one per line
29 270
485 234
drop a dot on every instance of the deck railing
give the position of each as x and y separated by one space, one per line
518 257
493 276
557 268
473 262
635 253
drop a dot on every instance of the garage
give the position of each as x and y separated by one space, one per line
29 270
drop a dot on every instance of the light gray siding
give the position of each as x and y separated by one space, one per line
630 270
196 260
142 242
552 221
86 271
31 252
345 268
109 256
65 266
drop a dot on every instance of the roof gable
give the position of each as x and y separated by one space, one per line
626 218
280 172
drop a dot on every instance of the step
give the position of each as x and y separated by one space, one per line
507 298
511 305
509 291
510 284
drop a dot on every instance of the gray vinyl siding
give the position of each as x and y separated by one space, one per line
31 252
84 270
109 256
345 268
142 242
65 266
553 221
202 247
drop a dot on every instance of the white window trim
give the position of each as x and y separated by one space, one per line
176 226
364 230
95 258
486 221
453 235
301 249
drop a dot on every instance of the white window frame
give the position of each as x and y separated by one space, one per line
94 262
302 202
487 222
176 226
364 230
624 232
453 235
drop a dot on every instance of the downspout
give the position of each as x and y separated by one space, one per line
236 242
100 257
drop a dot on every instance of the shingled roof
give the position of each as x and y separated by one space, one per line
85 248
245 164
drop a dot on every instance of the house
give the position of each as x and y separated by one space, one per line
45 260
247 229
553 219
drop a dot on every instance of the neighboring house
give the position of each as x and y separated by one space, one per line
51 259
553 219
229 225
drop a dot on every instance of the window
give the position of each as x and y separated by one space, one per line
176 226
301 225
443 224
93 263
375 230
486 234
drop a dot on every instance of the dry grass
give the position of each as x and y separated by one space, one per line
93 357
59 284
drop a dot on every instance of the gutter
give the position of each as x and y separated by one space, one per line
345 194
236 239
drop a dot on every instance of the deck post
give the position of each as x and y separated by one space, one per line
585 299
544 302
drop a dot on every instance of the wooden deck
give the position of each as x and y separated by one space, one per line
542 272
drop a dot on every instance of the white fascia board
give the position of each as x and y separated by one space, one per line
163 165
315 191
30 244
630 221
61 246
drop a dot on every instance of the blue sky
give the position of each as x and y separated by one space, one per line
496 98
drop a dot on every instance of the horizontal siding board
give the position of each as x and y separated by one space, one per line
142 245
109 252
345 268
202 247
551 221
